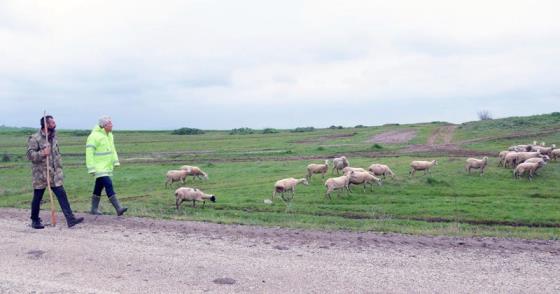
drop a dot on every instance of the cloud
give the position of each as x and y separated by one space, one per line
240 62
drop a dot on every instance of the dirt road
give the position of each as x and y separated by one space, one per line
134 255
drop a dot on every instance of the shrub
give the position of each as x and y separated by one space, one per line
301 130
187 131
333 127
484 115
376 146
320 148
6 157
360 127
270 131
433 182
242 131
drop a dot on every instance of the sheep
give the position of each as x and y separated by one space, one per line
381 170
520 148
555 154
510 159
175 176
421 165
476 164
365 178
522 156
287 185
195 171
544 161
314 168
339 163
192 194
338 183
544 150
502 157
349 168
527 167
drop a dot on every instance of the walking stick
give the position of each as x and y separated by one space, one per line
53 211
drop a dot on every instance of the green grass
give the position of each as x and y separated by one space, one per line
243 169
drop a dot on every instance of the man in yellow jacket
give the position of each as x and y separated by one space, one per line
101 158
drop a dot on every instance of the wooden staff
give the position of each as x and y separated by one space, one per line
53 211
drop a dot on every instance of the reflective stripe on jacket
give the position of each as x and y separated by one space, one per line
101 155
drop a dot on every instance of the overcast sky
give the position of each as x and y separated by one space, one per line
283 64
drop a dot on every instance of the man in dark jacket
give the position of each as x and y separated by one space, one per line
38 149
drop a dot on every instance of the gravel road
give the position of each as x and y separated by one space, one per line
109 254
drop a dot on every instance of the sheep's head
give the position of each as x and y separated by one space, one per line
305 182
434 162
213 198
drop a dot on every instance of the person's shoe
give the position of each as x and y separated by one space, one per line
95 205
120 210
74 221
36 224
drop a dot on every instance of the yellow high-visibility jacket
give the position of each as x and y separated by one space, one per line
101 155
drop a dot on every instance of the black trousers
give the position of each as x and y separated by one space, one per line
60 196
103 182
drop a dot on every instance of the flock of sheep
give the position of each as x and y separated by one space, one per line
523 159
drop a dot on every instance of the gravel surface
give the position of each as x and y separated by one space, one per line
109 254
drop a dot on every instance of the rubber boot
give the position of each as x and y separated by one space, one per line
36 224
95 205
120 210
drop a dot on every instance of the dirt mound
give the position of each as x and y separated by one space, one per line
393 137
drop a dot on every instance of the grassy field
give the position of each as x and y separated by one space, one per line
243 168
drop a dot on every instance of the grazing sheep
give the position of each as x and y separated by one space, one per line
175 176
359 178
381 170
555 154
510 159
192 194
338 183
522 156
314 168
544 150
544 161
527 167
502 157
349 168
476 164
339 163
421 165
287 185
195 171
520 148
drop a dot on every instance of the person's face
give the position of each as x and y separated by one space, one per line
51 124
108 127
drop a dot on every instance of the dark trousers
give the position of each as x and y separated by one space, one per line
103 182
60 196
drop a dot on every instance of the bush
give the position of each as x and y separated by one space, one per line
433 182
376 147
6 157
320 148
242 131
187 131
484 115
270 131
360 127
333 127
301 130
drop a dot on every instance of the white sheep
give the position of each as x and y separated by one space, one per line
421 165
175 176
287 185
381 170
502 157
192 194
544 160
510 159
355 169
339 163
555 154
338 183
527 167
476 164
365 178
195 172
522 156
315 168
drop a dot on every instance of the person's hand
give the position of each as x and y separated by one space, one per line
47 151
